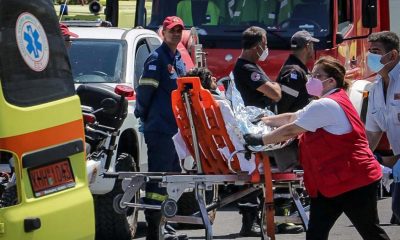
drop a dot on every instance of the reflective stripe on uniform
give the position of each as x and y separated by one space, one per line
148 81
289 91
156 196
248 204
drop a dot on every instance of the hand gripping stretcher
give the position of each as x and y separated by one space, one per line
203 130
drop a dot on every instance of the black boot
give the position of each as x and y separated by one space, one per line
153 219
394 220
250 227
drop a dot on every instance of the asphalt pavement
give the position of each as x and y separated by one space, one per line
228 222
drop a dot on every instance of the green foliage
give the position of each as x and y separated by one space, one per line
126 11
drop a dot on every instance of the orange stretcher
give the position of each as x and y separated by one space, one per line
203 130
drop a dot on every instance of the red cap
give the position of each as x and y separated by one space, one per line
172 21
65 31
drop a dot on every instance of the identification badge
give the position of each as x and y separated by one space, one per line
152 67
255 76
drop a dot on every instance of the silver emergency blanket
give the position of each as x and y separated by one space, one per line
238 122
248 119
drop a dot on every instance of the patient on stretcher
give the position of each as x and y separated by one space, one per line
238 119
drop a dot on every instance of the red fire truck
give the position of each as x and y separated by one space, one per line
341 25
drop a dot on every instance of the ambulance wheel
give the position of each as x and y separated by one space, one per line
109 223
187 205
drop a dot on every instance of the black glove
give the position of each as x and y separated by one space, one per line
253 139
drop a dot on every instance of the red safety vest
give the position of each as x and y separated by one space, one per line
334 164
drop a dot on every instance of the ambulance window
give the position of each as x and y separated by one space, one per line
344 14
8 184
28 83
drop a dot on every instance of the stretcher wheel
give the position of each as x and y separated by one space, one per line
117 206
169 208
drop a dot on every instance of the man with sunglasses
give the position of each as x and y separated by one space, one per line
383 114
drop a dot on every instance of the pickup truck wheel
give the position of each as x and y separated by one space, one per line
110 224
187 205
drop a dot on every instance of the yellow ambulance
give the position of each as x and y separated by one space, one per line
44 193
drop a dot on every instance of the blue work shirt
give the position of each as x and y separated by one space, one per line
153 95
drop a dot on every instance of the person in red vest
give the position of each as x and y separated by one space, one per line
341 174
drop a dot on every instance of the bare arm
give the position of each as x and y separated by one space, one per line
279 120
390 161
373 139
283 133
271 90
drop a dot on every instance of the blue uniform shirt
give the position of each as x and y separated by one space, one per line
153 95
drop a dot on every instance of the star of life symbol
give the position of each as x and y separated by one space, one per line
32 42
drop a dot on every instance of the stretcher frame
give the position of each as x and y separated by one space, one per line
201 125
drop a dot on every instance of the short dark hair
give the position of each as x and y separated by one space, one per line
204 74
334 69
390 40
252 36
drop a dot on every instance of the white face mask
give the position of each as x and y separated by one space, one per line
374 62
263 55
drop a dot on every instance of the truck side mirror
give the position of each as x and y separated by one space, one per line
339 38
369 13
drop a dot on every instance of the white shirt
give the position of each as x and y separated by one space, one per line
384 116
323 113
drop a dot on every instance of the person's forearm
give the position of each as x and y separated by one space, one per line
373 139
283 133
279 120
390 161
271 90
275 92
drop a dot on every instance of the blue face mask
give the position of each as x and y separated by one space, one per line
374 62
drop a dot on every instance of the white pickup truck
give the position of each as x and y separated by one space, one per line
112 56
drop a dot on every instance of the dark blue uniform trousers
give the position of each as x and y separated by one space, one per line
396 200
162 157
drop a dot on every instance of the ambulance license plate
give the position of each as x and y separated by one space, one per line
51 178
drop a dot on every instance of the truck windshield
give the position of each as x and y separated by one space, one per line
226 19
97 61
